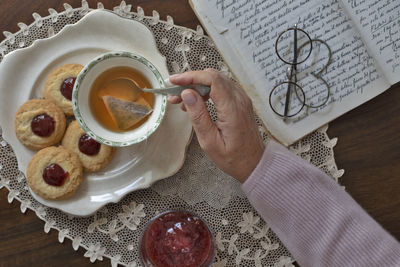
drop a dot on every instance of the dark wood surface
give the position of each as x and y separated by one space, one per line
368 150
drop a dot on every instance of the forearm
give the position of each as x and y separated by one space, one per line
314 217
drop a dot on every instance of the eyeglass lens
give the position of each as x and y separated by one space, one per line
288 43
287 104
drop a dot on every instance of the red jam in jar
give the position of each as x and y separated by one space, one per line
88 145
54 174
178 239
43 125
67 86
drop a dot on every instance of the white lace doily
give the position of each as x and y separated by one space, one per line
242 238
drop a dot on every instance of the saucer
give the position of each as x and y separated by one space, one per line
23 73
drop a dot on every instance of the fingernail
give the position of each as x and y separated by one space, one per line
188 98
174 76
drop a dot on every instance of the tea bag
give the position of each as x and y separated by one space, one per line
127 113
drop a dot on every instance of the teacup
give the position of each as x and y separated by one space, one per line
81 92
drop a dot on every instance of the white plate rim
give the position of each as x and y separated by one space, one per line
7 133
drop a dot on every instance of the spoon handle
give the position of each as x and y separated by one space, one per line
177 90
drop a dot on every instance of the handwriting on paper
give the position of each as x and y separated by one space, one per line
255 26
380 24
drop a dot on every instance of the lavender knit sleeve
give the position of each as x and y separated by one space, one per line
314 217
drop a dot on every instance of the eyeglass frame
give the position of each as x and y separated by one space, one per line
294 67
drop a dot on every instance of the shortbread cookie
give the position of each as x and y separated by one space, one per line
54 173
39 123
59 84
92 154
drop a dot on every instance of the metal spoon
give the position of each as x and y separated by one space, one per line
176 90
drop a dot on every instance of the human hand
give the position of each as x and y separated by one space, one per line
233 142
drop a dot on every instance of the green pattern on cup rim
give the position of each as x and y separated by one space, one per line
81 76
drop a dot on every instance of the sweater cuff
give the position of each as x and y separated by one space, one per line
266 160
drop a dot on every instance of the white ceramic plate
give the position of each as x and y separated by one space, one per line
22 75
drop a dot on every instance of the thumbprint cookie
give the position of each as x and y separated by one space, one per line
93 155
54 173
59 84
39 123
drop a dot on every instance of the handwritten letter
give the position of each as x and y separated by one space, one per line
379 25
251 28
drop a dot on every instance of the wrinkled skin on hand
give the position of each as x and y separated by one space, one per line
233 142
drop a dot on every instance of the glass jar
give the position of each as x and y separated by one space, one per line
177 238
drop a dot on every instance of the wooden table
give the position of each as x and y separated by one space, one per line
368 150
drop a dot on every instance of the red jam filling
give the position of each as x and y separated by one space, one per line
67 86
88 145
177 239
55 175
43 125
